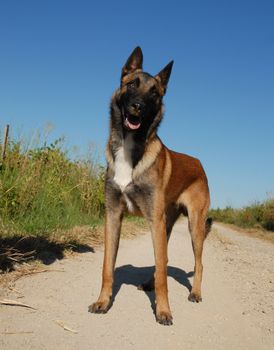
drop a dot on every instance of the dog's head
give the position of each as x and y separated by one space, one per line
140 94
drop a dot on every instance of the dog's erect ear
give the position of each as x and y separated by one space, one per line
134 62
164 74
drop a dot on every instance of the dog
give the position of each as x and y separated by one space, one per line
145 178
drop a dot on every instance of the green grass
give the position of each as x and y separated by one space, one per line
43 190
258 215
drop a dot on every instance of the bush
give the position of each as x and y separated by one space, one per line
260 215
42 189
268 215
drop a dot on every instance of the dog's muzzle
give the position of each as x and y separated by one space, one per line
131 122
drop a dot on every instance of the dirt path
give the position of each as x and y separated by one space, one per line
237 311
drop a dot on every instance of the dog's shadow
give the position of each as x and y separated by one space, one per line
132 275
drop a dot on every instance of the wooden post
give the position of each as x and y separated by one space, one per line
5 142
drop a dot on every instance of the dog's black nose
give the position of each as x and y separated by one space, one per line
136 107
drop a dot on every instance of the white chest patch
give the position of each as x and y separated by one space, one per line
123 164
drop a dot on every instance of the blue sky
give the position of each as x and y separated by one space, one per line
60 62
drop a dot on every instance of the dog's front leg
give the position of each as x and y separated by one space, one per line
159 237
112 237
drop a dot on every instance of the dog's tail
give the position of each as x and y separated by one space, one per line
208 225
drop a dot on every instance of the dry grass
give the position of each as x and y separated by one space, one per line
79 239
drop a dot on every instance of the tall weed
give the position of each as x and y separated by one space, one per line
42 189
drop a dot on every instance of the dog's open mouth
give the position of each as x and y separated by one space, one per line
132 122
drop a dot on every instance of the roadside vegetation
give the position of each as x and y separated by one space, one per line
259 215
42 189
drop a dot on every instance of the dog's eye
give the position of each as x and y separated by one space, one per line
131 85
154 93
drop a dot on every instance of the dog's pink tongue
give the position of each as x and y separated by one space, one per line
132 126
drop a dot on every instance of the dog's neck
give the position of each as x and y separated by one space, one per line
133 144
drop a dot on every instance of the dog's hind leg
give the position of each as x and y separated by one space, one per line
196 202
112 237
197 228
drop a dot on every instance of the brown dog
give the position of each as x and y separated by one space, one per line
145 177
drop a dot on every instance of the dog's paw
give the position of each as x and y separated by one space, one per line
195 298
164 318
100 307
